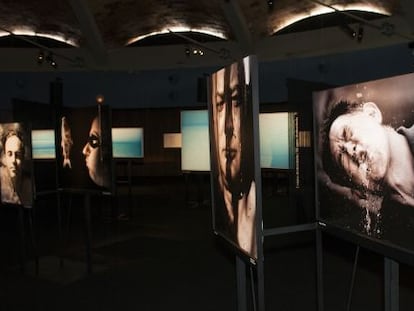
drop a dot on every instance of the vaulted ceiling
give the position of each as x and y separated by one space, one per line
144 34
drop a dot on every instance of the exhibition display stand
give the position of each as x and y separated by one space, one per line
86 196
390 285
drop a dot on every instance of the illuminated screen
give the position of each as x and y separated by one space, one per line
276 140
43 144
195 149
235 168
364 139
128 142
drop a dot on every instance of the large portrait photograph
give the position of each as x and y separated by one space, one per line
16 180
84 148
232 156
364 138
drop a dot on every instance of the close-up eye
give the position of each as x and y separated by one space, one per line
93 141
236 102
346 134
220 102
235 98
220 105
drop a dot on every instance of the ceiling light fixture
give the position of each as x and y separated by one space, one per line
178 29
40 57
223 53
30 33
323 8
51 60
360 33
187 51
78 62
385 28
269 5
348 30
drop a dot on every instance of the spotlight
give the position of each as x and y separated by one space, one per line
40 57
197 51
269 4
100 99
53 64
51 60
187 52
360 34
348 30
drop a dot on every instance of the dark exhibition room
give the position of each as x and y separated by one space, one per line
237 155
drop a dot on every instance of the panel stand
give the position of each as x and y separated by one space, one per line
351 287
60 231
319 270
241 284
33 239
258 300
87 228
22 235
88 231
391 285
260 285
20 220
125 214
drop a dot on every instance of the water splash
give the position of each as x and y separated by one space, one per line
372 223
367 222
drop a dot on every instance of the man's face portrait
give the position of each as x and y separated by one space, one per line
359 146
364 140
227 129
92 153
13 154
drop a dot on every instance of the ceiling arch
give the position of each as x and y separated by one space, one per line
124 34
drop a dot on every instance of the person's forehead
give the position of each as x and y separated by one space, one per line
350 117
95 125
13 141
221 78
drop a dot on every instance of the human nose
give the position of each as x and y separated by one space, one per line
350 147
86 149
13 158
229 120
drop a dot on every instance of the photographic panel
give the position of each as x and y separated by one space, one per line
84 148
16 170
234 153
364 138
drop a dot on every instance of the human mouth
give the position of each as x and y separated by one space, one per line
230 153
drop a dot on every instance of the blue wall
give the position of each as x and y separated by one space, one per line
178 87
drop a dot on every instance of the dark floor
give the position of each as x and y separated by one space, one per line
162 255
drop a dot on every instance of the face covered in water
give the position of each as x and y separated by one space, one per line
227 127
92 152
359 146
